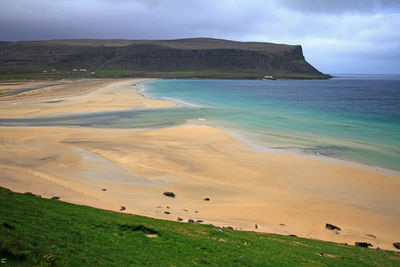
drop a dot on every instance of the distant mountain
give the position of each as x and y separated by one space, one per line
194 57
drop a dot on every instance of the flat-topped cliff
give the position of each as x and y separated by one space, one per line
182 57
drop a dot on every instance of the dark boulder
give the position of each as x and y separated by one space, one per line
179 219
363 244
167 212
229 227
122 208
293 235
332 227
207 199
190 221
55 198
397 245
199 221
169 194
8 226
104 189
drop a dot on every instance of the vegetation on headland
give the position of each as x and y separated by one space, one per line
13 74
181 58
37 231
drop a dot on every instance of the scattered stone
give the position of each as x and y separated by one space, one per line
323 254
55 198
293 235
199 221
158 207
196 211
256 226
185 210
222 240
32 194
104 189
169 194
179 219
282 224
332 227
397 245
122 208
207 199
167 212
167 207
363 244
190 221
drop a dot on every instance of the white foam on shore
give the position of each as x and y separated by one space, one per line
255 147
181 102
262 148
141 89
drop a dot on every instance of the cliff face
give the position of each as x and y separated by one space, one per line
197 54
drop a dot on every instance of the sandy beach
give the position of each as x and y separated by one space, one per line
278 192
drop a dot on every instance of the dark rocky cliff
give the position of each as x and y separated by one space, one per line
196 54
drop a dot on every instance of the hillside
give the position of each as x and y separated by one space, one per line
195 57
44 232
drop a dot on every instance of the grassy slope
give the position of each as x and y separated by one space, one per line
35 231
8 74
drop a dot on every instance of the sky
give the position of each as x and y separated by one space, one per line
337 36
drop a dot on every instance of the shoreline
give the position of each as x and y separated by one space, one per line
262 148
280 192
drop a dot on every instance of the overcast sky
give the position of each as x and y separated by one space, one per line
338 36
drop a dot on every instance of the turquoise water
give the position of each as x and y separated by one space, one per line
354 118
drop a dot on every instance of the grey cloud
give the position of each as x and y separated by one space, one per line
356 31
342 6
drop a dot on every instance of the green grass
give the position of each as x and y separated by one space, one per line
37 74
108 71
35 231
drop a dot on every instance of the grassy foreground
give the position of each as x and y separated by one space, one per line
36 231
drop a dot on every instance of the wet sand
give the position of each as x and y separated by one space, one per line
67 97
280 192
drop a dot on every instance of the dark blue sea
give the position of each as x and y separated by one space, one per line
351 117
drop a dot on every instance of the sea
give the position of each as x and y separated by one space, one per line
351 117
354 118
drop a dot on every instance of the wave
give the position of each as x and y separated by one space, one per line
141 88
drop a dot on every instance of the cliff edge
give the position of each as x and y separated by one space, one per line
193 57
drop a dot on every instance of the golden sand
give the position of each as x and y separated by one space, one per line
281 193
62 97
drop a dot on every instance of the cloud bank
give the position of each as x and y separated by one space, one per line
352 36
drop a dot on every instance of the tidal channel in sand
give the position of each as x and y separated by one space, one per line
280 192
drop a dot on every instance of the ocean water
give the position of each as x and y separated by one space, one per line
355 118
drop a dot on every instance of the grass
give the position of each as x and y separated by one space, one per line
43 232
65 73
